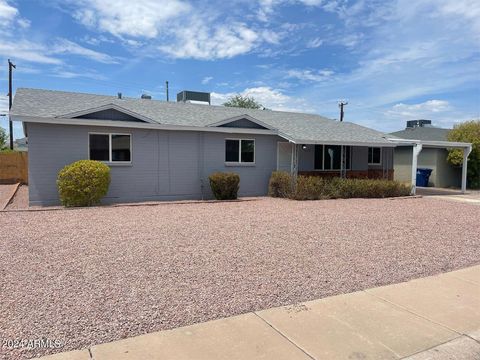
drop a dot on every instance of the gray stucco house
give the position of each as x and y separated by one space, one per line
444 174
161 150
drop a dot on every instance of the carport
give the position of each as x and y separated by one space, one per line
419 145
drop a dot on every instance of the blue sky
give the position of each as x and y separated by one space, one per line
392 60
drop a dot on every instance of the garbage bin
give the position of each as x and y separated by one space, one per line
423 175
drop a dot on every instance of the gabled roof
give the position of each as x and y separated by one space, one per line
423 133
297 127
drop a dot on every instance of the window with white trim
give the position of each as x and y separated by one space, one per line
329 157
240 151
110 147
374 156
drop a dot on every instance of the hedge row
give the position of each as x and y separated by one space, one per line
317 188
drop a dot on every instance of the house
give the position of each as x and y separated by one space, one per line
20 144
444 174
161 150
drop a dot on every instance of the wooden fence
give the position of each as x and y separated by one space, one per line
14 168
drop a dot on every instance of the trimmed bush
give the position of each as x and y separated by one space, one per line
224 185
280 184
318 188
83 183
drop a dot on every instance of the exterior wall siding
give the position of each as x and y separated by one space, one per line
165 164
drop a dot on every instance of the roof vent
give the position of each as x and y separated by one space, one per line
146 96
184 96
119 95
418 123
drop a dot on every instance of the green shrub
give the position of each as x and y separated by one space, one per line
280 184
317 188
83 183
224 185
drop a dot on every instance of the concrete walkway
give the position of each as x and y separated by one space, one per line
470 197
437 317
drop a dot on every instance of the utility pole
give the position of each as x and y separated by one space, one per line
11 66
341 104
166 88
343 149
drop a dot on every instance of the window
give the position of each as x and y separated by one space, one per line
110 147
329 157
374 156
240 151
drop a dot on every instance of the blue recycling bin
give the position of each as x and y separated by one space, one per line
423 175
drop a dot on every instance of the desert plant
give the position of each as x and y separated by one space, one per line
224 185
280 184
468 131
83 183
316 188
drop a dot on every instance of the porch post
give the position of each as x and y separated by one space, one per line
466 152
294 167
416 150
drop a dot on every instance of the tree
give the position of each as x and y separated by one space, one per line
240 101
3 138
468 131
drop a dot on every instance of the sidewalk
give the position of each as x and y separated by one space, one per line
437 317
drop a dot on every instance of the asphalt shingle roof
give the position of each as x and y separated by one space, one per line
297 126
428 133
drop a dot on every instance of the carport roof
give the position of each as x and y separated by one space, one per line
37 105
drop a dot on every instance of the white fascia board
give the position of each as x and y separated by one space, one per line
431 143
138 125
345 143
107 107
240 117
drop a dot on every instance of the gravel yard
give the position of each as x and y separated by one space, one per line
95 275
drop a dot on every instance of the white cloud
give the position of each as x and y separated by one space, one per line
140 18
223 41
64 46
7 12
315 43
10 15
421 110
27 51
270 98
206 80
174 27
67 74
310 75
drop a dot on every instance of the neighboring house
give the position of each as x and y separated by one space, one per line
20 144
444 174
164 150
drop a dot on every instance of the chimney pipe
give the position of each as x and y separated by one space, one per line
119 95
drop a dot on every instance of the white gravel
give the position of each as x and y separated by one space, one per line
96 275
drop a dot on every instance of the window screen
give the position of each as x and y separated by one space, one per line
121 148
248 151
99 147
232 150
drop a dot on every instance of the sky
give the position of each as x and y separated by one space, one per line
391 60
